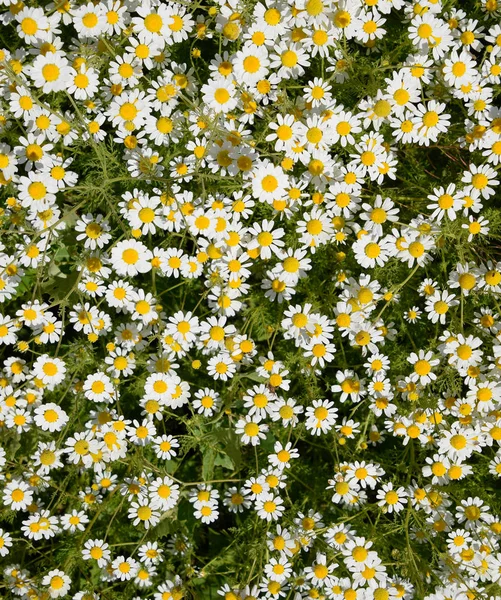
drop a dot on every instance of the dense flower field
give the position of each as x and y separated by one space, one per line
250 287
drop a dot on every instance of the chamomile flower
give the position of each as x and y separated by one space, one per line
476 227
278 570
282 455
74 521
318 91
269 183
220 95
57 583
5 543
471 512
413 314
369 252
50 72
269 507
164 493
290 60
251 64
94 230
142 512
430 120
464 351
460 69
438 304
458 442
50 417
251 430
266 239
99 388
320 417
392 500
480 179
423 363
17 495
287 411
206 402
150 553
131 257
124 568
83 83
221 367
207 513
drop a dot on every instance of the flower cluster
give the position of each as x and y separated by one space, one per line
250 299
